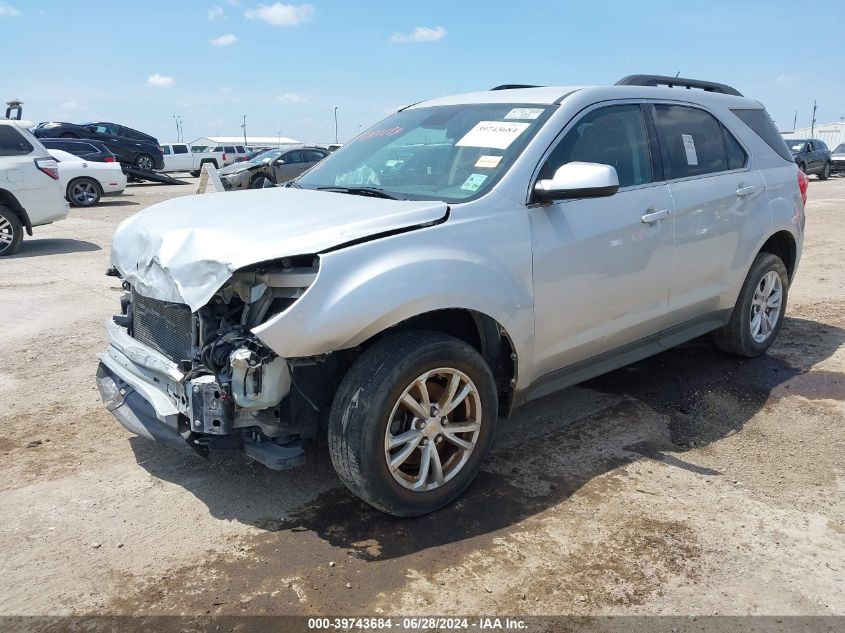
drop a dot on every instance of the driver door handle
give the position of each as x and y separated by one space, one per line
745 191
656 216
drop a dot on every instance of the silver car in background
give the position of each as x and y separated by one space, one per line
459 259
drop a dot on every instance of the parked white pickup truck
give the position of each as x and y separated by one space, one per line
179 157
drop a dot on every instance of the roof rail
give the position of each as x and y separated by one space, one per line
513 86
680 82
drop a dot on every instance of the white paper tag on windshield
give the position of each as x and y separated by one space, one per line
488 162
495 134
689 148
474 182
524 113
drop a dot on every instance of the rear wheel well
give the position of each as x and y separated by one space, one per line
783 245
8 200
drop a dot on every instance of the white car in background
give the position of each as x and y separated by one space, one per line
30 193
84 182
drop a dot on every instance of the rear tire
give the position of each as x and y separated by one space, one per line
759 310
11 232
144 162
371 415
83 192
825 172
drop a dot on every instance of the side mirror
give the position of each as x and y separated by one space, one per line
578 180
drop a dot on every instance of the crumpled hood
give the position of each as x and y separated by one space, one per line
183 250
235 168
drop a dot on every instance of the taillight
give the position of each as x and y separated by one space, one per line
224 155
109 159
803 185
49 166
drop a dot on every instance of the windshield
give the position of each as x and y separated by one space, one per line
449 153
265 157
840 149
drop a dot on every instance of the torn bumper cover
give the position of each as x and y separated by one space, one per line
150 396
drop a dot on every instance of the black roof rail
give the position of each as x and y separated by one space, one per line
680 82
513 87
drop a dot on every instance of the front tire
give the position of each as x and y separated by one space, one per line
412 422
759 310
259 181
11 232
83 192
144 162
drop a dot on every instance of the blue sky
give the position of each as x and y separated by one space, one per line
287 65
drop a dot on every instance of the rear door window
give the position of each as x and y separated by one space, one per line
691 141
180 149
13 143
292 157
240 149
736 155
312 156
230 149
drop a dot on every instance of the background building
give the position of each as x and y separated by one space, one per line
831 133
205 142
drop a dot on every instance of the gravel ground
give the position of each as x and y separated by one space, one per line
690 483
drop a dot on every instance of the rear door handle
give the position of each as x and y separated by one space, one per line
656 216
746 191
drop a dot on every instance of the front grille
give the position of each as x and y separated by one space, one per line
166 327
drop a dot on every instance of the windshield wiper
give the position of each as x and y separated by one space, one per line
361 191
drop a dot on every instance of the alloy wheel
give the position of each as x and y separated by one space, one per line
433 429
84 193
7 234
766 306
144 163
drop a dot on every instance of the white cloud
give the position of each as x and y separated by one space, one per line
225 90
7 11
291 97
215 12
280 14
420 34
160 81
224 40
783 78
71 105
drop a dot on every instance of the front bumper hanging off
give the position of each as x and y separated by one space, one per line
149 396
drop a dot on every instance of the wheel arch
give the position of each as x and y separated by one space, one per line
481 331
8 199
784 245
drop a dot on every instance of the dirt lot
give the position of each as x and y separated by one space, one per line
691 483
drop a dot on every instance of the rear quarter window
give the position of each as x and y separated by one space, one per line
13 143
762 125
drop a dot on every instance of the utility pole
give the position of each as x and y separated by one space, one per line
795 121
243 125
176 121
813 122
280 140
335 125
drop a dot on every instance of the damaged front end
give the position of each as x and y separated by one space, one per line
201 380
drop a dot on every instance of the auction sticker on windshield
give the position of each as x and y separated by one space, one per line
524 113
494 134
488 162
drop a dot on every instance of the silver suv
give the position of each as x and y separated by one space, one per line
464 256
